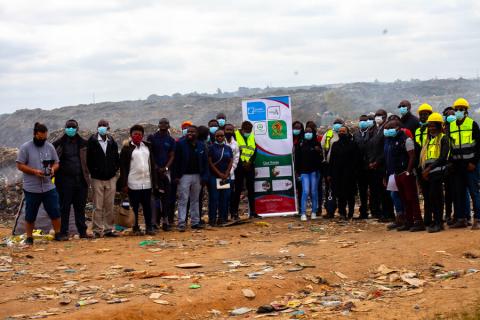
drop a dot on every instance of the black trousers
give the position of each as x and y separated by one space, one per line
448 196
144 198
163 211
242 177
381 204
425 187
433 197
73 191
362 184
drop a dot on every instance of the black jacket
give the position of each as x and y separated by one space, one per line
307 159
126 157
102 166
410 122
82 150
374 148
361 139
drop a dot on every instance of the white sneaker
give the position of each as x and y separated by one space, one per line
303 217
313 216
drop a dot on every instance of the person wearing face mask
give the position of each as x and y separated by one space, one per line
220 160
433 161
245 172
230 141
399 164
163 147
465 154
311 124
103 163
408 120
448 117
308 157
191 174
212 127
72 178
137 177
222 120
38 161
342 171
330 137
421 134
361 138
203 136
298 132
185 125
381 205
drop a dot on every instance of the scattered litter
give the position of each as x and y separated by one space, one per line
162 302
240 311
191 265
82 303
195 286
340 275
248 293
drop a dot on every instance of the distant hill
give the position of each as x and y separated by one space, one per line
309 103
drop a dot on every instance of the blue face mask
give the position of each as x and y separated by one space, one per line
184 132
102 130
296 132
422 123
221 122
389 133
451 118
308 135
403 110
370 123
71 132
213 130
459 115
336 126
247 135
208 138
363 125
220 143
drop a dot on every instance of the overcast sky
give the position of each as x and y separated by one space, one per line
55 53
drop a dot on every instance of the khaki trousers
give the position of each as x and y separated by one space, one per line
104 196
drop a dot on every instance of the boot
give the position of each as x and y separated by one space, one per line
476 224
418 226
461 223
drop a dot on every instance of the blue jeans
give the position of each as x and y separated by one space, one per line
217 202
473 179
397 202
309 187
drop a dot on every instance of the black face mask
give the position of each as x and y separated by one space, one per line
39 142
228 135
343 136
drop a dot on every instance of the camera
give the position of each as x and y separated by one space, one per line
47 167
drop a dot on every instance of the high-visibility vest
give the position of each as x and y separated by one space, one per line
434 147
421 135
328 137
247 149
463 144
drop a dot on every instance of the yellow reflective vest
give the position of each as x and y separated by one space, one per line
247 149
463 144
434 149
328 137
421 135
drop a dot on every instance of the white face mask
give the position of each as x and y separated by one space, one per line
379 120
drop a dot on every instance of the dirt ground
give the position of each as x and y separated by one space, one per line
320 269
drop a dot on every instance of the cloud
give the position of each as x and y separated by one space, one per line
61 52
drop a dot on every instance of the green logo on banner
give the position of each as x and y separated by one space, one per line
277 129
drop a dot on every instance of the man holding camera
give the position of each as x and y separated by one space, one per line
38 161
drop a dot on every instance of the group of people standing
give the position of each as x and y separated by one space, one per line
150 172
385 159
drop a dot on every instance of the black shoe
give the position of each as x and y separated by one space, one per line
97 235
166 227
435 228
85 236
404 227
111 235
254 216
150 232
137 231
156 227
198 226
461 223
181 229
417 226
60 237
450 222
393 226
29 241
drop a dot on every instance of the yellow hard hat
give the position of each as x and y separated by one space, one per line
461 102
435 117
425 107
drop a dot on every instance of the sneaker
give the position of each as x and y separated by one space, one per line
60 237
29 241
197 226
417 226
313 216
303 217
461 223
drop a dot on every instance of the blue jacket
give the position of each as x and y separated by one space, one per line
396 156
182 154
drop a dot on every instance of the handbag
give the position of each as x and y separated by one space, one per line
124 215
